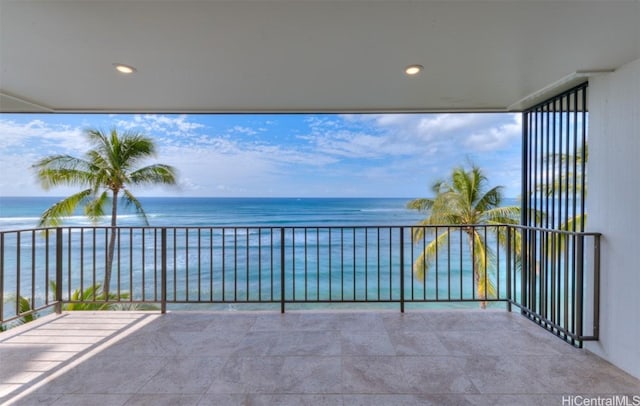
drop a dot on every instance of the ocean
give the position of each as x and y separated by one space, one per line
355 263
24 212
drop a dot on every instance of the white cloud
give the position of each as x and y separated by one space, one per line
232 172
494 138
243 130
53 138
417 135
152 124
363 155
17 176
348 144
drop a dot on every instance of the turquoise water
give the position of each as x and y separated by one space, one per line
364 264
24 212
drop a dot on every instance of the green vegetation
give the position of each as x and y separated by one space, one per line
106 173
570 170
571 180
24 309
464 200
94 298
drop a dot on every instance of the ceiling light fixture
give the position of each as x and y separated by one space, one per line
126 69
413 70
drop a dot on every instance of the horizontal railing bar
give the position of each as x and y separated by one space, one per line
316 301
549 324
406 300
548 230
301 227
30 312
275 301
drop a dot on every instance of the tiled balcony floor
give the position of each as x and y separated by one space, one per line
307 357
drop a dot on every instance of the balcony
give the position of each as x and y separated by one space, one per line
343 319
545 273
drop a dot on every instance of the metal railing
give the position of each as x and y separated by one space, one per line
545 273
559 270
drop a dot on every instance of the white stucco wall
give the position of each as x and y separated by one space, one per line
613 206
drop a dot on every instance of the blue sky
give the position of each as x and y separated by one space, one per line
286 155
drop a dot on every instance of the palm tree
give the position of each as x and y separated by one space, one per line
572 179
106 173
568 179
464 200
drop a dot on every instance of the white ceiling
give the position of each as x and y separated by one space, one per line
289 56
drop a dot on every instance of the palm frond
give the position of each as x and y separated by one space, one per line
449 208
537 215
63 170
565 176
119 152
25 311
133 307
129 200
91 298
423 204
421 231
440 186
427 256
502 215
561 184
575 223
559 242
62 161
24 305
462 184
64 208
489 200
50 178
506 234
468 184
134 146
97 138
154 174
98 162
95 208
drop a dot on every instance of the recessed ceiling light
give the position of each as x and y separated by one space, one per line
122 68
413 70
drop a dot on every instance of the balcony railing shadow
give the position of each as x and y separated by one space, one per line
38 352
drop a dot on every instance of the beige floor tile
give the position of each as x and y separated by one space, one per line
459 357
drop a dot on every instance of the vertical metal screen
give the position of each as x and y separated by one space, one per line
554 267
553 165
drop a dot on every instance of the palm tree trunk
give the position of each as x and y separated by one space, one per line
112 246
481 294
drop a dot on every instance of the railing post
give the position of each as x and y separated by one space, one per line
532 271
163 270
282 269
402 269
579 286
509 268
2 278
596 286
524 269
58 292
